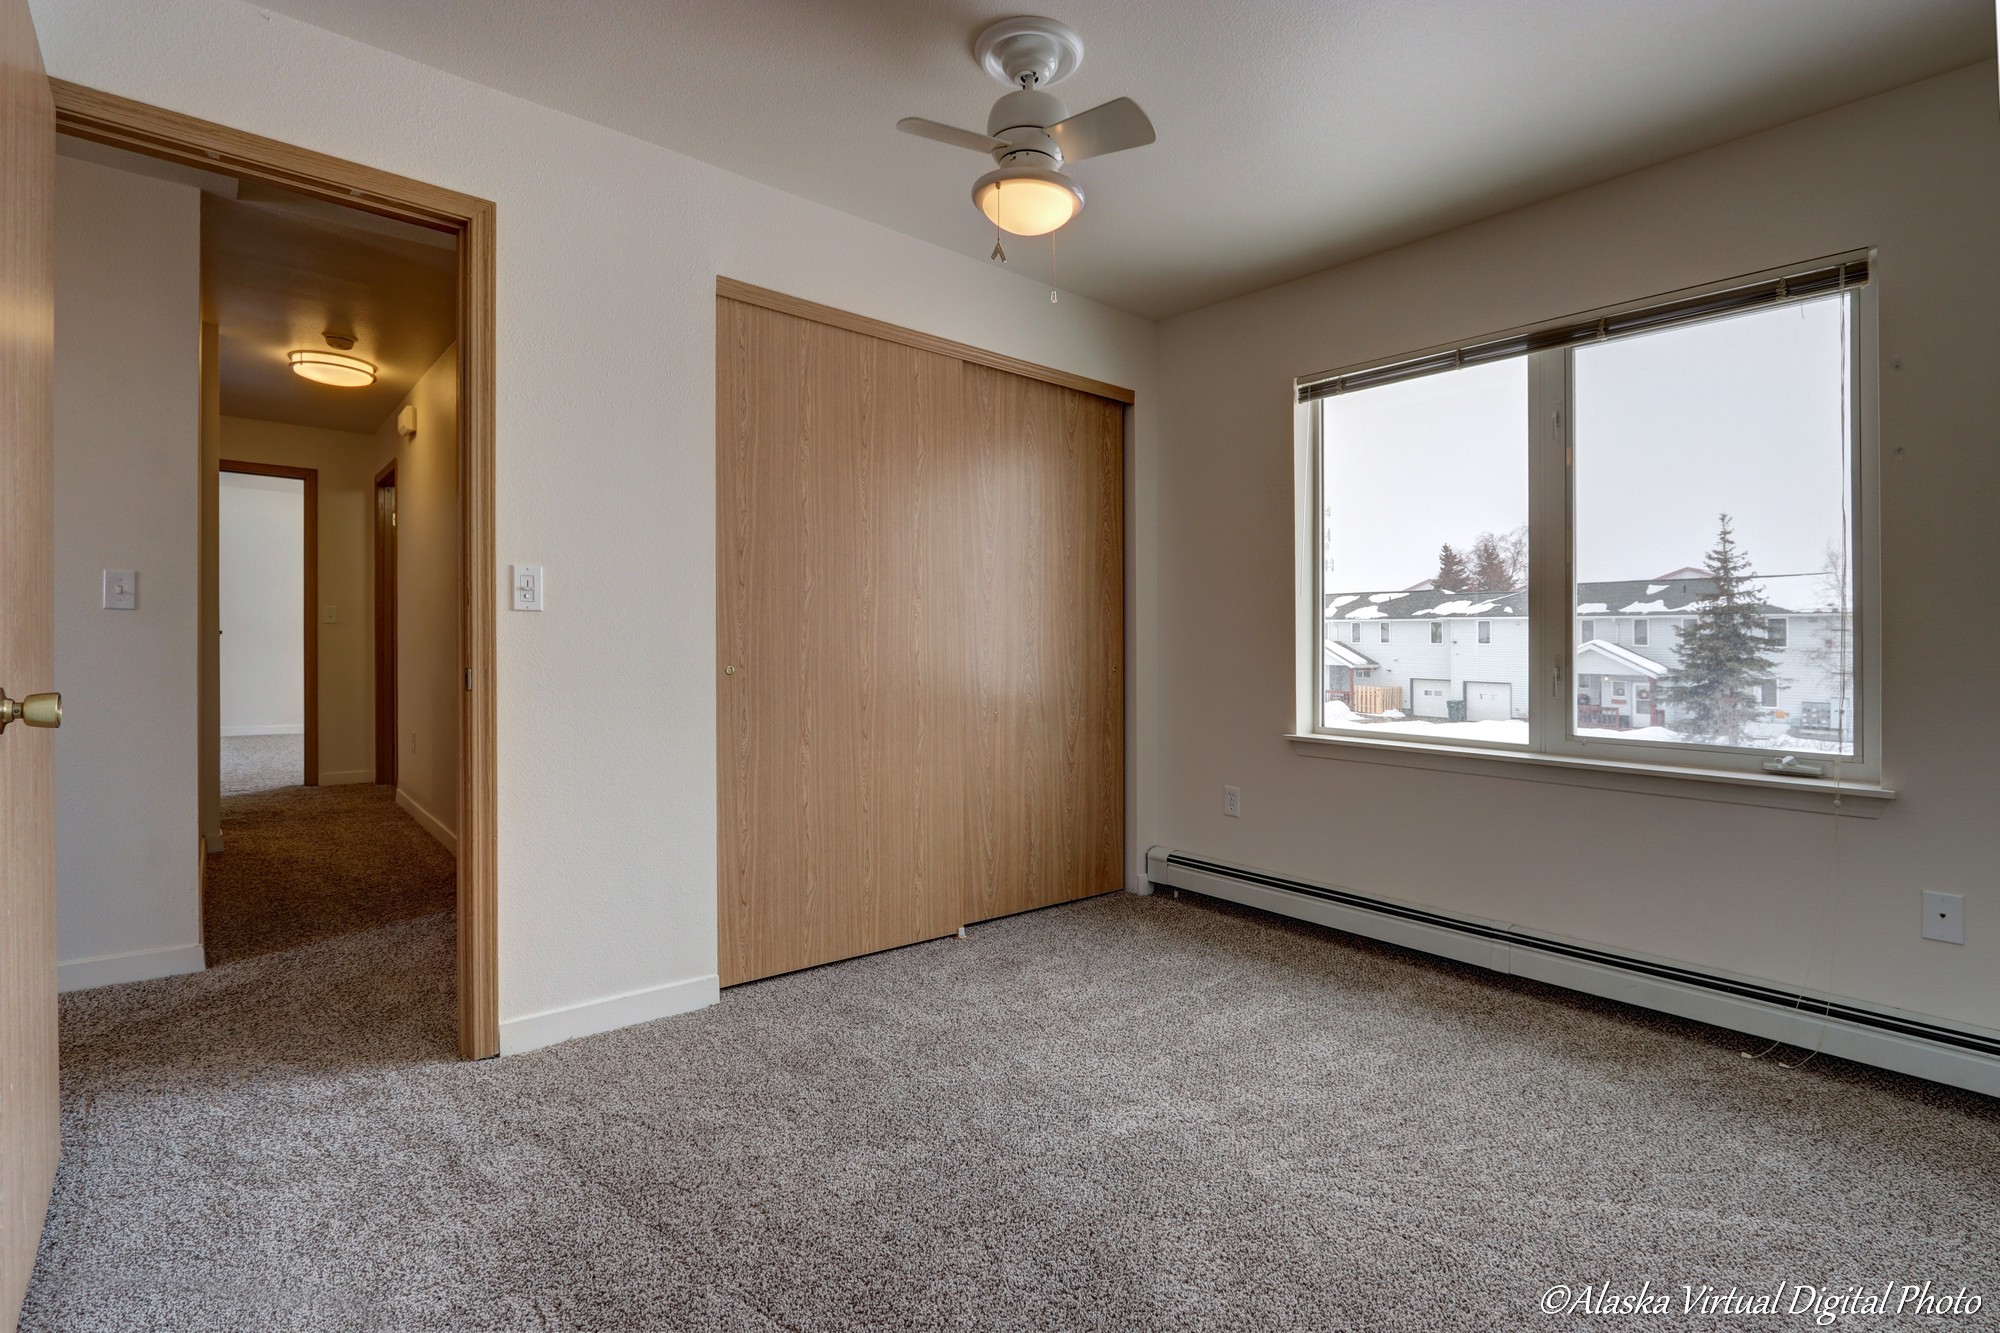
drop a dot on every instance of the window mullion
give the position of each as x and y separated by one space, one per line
1549 550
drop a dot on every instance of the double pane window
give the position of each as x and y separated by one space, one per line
1653 525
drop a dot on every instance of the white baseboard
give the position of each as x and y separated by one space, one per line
531 1031
116 968
346 777
270 729
1758 1008
432 824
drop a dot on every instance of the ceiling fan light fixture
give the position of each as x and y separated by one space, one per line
345 372
1027 201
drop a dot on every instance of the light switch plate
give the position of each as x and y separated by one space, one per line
332 616
1944 916
121 590
528 587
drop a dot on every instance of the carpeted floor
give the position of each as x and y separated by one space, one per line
1122 1114
259 763
300 864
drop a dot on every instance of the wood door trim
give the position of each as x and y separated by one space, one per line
310 476
89 113
896 333
386 660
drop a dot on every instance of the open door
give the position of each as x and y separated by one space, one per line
28 1131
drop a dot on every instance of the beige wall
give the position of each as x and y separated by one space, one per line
346 464
127 496
430 684
1793 898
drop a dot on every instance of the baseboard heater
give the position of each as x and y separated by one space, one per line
1906 1043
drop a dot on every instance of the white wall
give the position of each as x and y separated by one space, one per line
127 496
608 253
261 577
1757 892
429 663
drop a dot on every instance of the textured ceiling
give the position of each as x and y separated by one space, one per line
1294 134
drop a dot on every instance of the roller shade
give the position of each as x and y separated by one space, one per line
1727 301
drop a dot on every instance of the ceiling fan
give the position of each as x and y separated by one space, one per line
1030 133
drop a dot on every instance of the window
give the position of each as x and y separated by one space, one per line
1356 628
1705 460
1385 631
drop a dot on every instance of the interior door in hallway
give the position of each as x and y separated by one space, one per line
28 1135
920 618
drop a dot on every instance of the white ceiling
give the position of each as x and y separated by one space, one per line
1294 134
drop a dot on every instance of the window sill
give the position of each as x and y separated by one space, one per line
1864 800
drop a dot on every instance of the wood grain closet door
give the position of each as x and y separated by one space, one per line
842 608
1047 544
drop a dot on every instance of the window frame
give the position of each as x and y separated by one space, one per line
1552 619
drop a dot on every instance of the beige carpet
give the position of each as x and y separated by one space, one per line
1124 1114
259 763
300 864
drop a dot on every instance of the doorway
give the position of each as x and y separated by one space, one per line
267 567
467 757
385 626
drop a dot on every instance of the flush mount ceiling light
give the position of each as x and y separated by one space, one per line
1030 133
335 368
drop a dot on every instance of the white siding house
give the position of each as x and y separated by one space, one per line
1464 656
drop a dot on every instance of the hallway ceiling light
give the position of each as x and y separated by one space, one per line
335 368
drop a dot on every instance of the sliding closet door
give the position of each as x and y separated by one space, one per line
1047 545
842 615
920 611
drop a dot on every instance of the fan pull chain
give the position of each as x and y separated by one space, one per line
1052 268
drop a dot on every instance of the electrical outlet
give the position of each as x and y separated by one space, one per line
1232 802
1944 916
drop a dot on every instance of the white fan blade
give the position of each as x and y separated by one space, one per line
1111 128
930 129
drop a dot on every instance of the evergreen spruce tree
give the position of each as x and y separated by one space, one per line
1490 570
1452 575
1722 658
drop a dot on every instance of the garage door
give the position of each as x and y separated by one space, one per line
1488 701
1427 697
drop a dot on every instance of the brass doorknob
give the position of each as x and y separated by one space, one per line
37 710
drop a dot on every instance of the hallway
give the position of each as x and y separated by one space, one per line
301 864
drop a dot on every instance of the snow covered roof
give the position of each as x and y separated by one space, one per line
1793 594
1611 660
1341 654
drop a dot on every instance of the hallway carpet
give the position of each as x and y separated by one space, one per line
300 864
1122 1114
259 763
